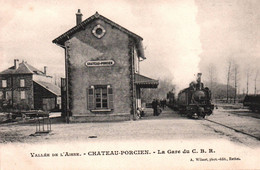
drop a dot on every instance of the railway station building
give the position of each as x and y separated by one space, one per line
103 79
24 87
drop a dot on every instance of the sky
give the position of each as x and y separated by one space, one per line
181 37
230 30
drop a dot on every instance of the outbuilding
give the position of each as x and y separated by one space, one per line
103 79
24 87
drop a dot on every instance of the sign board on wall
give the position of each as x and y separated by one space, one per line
100 63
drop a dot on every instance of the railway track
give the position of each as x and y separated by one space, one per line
236 130
232 128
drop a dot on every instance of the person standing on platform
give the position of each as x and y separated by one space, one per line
154 105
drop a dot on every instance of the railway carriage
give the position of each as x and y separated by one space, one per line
253 102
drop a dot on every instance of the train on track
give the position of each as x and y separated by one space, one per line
252 102
194 101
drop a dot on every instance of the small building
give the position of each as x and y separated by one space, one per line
24 87
103 79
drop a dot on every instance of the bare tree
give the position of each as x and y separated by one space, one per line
256 75
236 79
212 77
164 87
248 74
229 73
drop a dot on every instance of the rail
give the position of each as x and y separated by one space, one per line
236 130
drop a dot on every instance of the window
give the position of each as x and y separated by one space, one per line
99 31
100 97
22 94
21 82
4 83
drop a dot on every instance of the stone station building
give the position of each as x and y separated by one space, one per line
102 71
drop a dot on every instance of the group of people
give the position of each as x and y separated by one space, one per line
157 105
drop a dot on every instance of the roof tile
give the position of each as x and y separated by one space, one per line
62 38
50 87
24 68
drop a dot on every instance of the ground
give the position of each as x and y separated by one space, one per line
172 141
168 126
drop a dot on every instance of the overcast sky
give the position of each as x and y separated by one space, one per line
230 29
181 37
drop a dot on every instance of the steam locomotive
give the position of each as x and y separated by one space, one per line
194 101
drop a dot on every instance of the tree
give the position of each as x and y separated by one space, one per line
212 77
229 73
165 85
236 79
256 75
248 74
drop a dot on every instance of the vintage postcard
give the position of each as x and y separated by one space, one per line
129 84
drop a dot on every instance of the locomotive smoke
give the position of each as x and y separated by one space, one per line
186 47
172 43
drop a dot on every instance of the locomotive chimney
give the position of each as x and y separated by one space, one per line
78 17
199 80
16 63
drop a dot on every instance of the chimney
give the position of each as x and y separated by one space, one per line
16 63
199 80
78 17
45 70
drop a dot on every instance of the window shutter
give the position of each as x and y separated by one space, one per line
90 98
110 98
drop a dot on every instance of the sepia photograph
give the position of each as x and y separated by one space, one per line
129 84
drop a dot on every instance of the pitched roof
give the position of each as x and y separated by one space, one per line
10 70
50 87
24 68
62 38
145 82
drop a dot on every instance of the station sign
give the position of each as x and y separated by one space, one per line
100 63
